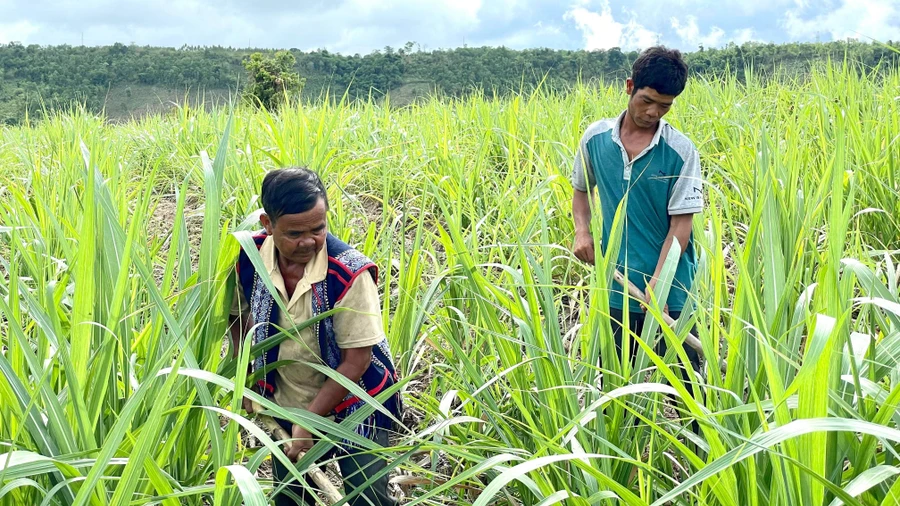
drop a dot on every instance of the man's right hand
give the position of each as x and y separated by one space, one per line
303 441
584 247
247 404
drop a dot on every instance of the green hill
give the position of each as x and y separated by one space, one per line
134 80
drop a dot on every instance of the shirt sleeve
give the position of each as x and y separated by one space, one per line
359 324
582 178
687 193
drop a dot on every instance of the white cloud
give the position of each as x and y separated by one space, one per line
542 29
600 30
637 36
346 26
468 8
878 19
16 32
740 8
351 26
690 34
743 35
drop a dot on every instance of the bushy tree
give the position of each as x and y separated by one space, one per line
271 78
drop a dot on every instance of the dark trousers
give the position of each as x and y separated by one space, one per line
636 325
356 469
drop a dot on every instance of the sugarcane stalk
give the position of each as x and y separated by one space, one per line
691 340
331 493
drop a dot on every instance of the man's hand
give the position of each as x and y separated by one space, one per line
581 214
584 247
651 286
247 404
680 226
303 442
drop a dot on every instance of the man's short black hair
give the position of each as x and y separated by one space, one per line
291 191
660 68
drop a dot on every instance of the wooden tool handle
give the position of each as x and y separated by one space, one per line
691 340
331 493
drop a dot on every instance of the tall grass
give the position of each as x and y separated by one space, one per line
117 245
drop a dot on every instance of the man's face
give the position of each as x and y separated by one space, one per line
298 237
646 107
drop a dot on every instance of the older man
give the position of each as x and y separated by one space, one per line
313 272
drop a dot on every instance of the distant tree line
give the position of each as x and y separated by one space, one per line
35 77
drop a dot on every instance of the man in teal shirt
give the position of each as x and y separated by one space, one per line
639 157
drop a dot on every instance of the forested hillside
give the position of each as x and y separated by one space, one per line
129 80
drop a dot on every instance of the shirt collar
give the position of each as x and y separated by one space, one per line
618 127
315 270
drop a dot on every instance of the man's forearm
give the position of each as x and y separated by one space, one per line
236 329
667 245
679 228
581 212
332 393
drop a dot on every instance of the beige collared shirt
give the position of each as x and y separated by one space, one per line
360 326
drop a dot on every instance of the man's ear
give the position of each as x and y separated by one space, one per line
629 86
266 223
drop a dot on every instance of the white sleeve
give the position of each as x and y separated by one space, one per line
687 194
582 178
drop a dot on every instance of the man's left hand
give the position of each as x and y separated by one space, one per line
651 286
303 442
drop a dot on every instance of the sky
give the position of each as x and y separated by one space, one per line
362 26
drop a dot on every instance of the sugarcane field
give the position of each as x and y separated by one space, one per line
676 282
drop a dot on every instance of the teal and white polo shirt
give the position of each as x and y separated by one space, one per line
663 180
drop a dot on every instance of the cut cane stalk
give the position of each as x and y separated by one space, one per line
691 340
331 493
